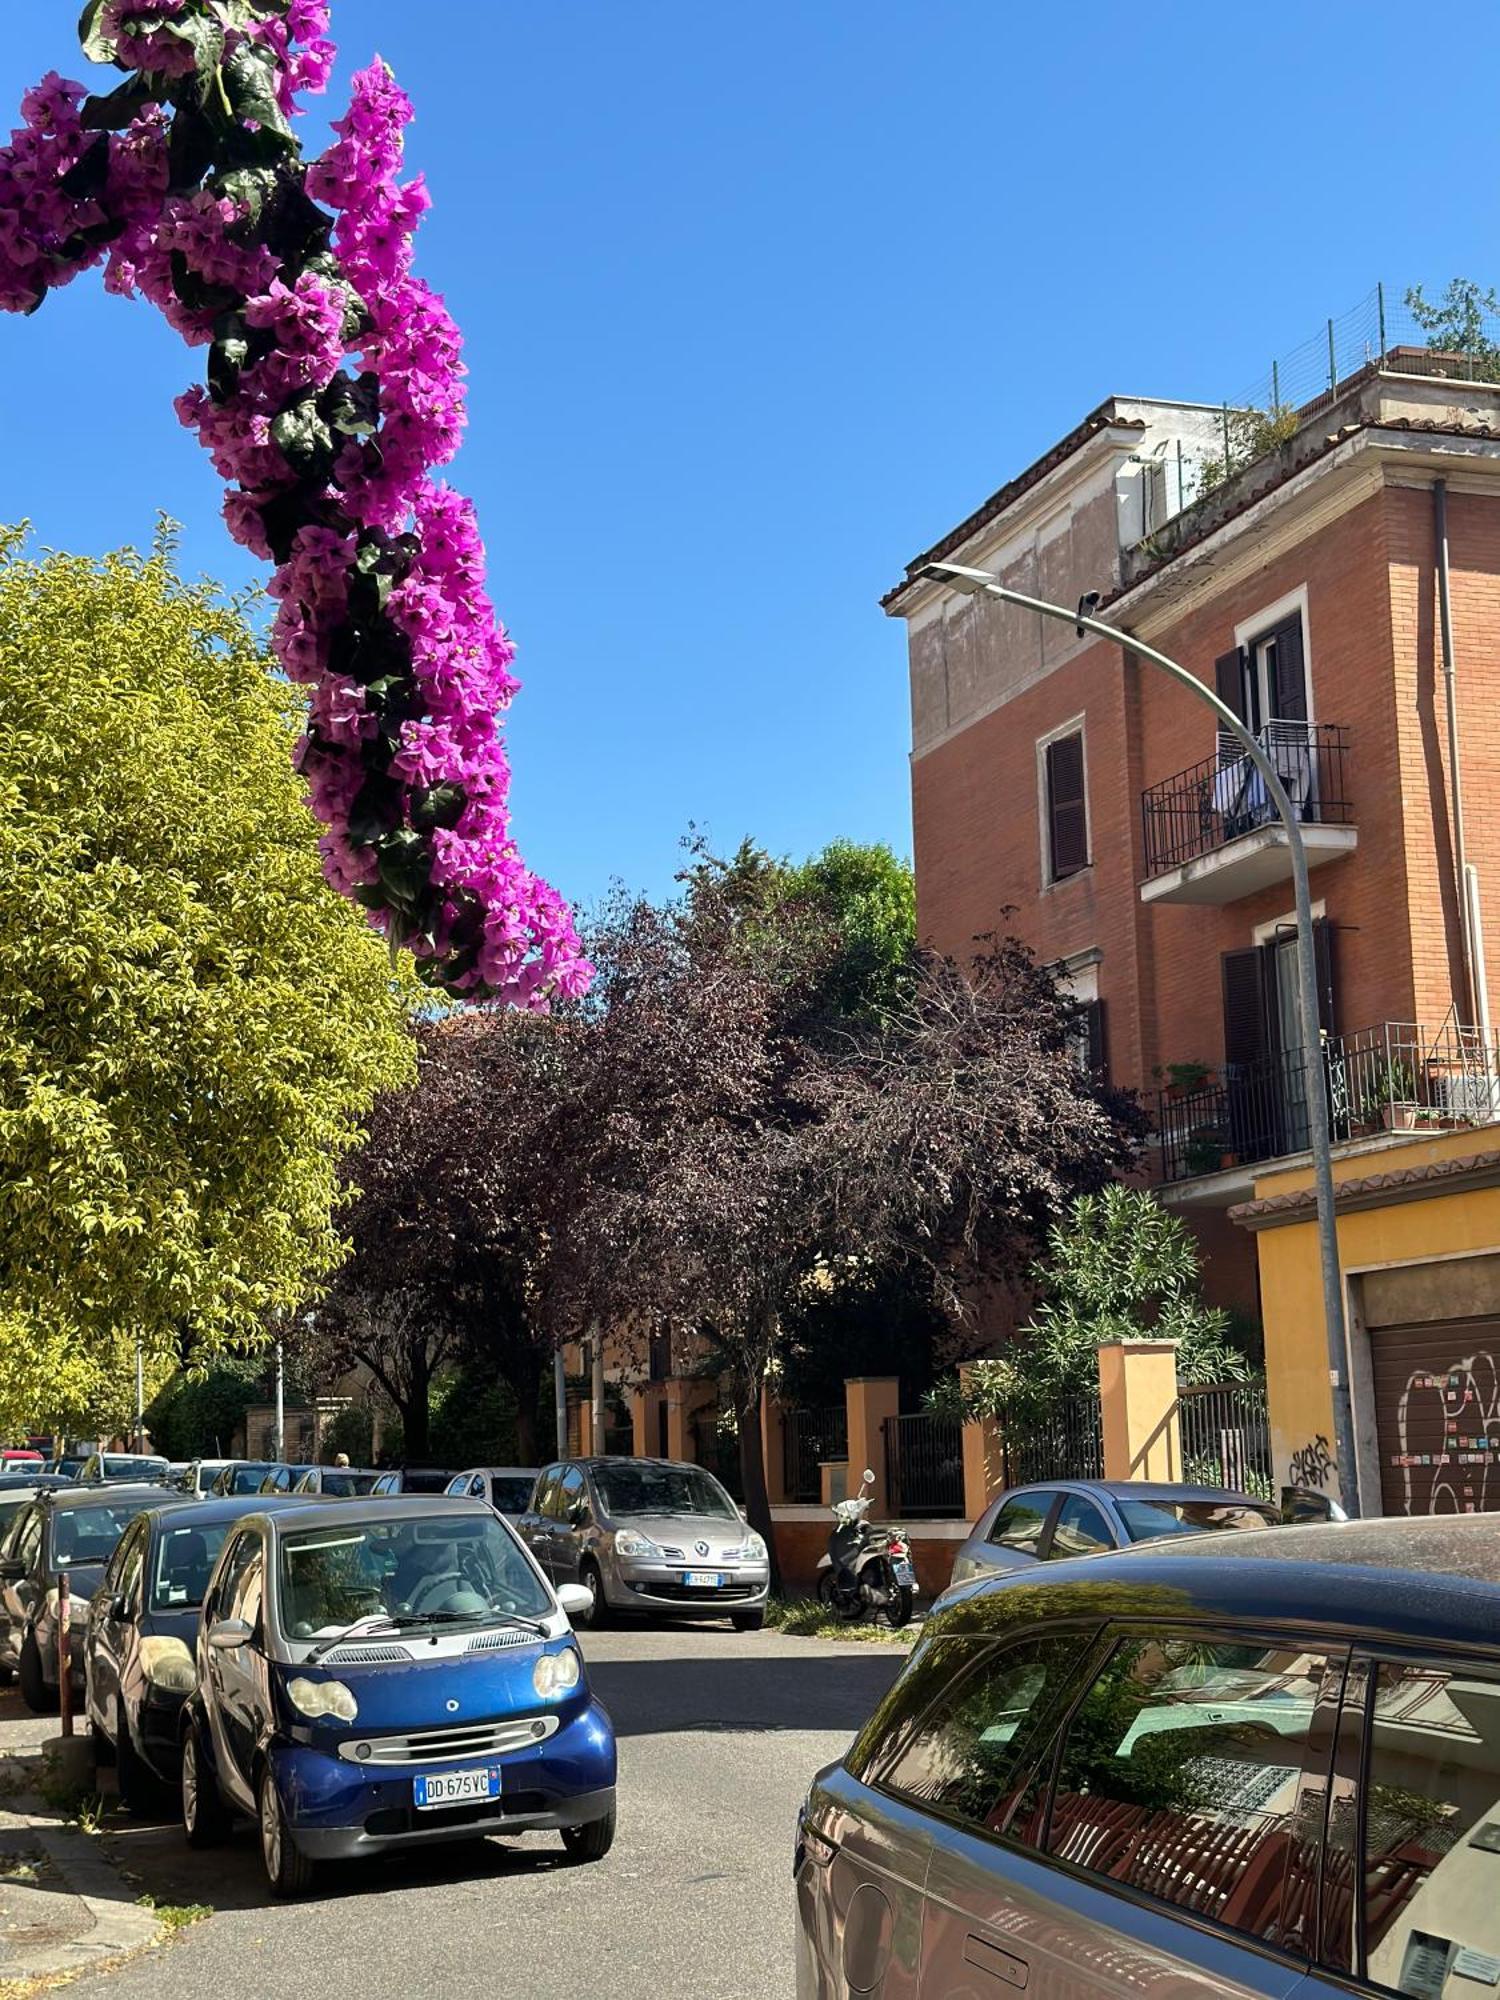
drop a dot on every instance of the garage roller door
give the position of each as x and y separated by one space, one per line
1437 1414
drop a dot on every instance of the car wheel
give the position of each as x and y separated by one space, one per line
205 1817
593 1583
288 1870
38 1697
591 1842
747 1621
139 1788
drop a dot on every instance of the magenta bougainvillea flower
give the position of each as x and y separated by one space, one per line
333 393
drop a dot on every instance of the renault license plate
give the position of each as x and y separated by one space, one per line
906 1576
703 1579
455 1788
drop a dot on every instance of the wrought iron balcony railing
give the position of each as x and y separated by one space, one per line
1398 1077
1223 797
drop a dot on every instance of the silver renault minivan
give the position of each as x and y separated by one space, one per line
655 1535
1258 1764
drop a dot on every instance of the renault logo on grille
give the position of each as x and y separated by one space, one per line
700 1548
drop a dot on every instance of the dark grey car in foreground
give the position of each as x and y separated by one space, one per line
1250 1764
1082 1517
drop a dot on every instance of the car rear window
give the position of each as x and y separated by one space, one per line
1431 1848
1179 1772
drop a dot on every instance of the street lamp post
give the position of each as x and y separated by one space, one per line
976 582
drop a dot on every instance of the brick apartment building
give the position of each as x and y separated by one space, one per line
1063 777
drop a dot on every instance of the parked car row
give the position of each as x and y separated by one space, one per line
355 1672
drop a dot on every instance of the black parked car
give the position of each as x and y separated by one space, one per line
141 1632
507 1488
72 1531
282 1478
413 1479
1260 1763
338 1482
242 1475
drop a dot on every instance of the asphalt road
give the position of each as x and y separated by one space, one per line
719 1734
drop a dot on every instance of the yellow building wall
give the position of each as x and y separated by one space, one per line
1291 1282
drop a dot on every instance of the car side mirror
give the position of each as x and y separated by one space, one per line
575 1600
229 1635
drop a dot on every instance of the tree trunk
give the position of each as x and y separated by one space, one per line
416 1415
753 1473
526 1450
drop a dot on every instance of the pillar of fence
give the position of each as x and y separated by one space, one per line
640 1421
773 1446
984 1459
1138 1409
870 1399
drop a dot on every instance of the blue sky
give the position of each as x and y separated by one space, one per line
759 300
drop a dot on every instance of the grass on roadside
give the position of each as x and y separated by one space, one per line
175 1916
805 1618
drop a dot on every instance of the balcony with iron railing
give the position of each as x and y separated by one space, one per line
1212 834
1397 1077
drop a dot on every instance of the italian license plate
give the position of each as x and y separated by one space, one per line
455 1788
906 1576
703 1579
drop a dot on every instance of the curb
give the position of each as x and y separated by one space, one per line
117 1925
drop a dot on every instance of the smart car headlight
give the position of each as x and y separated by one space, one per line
168 1664
556 1674
629 1543
319 1698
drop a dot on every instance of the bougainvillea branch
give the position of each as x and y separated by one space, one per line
333 390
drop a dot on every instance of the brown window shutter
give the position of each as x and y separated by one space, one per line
1098 1041
1067 813
1289 677
1229 680
1246 1032
1325 938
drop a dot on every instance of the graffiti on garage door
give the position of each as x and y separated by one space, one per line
1447 1444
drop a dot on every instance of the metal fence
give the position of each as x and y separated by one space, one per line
924 1465
808 1437
717 1450
1066 1443
1399 1076
1226 1437
1224 796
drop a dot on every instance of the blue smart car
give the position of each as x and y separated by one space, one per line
375 1674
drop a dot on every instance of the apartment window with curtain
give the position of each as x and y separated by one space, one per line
1064 804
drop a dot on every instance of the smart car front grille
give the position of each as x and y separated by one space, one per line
466 1740
493 1642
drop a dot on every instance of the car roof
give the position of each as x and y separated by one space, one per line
312 1512
108 1490
191 1513
1143 1489
1431 1580
501 1471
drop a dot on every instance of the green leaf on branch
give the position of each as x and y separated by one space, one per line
250 83
89 174
352 408
190 148
97 46
205 38
438 805
404 859
249 188
303 437
296 229
120 108
195 292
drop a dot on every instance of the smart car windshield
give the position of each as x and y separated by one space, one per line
184 1561
1151 1520
433 1569
627 1489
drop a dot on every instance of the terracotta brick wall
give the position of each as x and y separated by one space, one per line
1373 667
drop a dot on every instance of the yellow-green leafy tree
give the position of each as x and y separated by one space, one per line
192 1022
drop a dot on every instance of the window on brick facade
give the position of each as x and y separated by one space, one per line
1066 807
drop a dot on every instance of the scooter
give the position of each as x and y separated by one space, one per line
866 1575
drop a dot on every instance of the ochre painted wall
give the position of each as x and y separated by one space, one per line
1291 1287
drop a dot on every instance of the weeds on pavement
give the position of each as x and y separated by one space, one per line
805 1618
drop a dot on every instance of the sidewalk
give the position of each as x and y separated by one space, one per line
64 1908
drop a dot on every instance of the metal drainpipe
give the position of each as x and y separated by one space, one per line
1468 1001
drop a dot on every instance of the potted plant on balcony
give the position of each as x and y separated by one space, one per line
1203 1150
1181 1079
1391 1100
